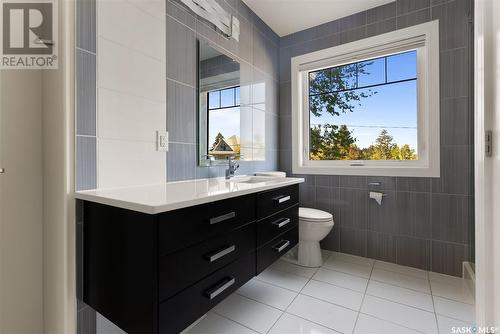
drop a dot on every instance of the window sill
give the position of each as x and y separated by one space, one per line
407 171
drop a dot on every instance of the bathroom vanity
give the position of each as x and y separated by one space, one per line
156 258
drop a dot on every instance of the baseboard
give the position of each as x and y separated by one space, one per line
469 275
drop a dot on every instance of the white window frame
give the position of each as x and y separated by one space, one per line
425 39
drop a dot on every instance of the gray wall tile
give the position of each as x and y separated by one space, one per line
181 113
413 18
86 25
381 27
450 218
381 246
413 252
181 161
406 6
456 171
85 93
86 162
353 241
324 199
383 218
86 321
454 73
353 204
456 122
447 258
454 23
414 214
181 53
381 13
420 184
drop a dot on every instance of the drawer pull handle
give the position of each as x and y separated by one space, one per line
219 288
220 253
222 218
281 223
282 199
282 245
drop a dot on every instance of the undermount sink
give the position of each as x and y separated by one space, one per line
252 179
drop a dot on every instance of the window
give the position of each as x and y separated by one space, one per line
369 107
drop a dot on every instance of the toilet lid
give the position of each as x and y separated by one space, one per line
314 215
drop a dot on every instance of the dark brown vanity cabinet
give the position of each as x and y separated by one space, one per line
159 273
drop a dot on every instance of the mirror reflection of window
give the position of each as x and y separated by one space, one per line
224 123
219 106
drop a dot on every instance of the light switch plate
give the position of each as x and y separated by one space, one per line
162 141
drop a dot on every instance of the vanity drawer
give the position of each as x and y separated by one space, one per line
275 200
183 309
272 226
181 269
275 249
185 227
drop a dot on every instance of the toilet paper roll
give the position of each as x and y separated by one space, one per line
376 196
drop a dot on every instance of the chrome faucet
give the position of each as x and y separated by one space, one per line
232 167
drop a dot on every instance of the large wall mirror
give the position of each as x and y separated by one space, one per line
219 106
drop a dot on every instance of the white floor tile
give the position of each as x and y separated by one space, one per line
215 324
446 325
401 280
283 279
456 290
290 324
369 325
341 279
249 313
323 313
401 314
334 294
453 309
293 268
419 273
268 294
401 295
352 258
335 263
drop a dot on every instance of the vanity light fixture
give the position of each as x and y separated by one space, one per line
214 13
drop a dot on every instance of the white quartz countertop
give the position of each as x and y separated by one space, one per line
169 196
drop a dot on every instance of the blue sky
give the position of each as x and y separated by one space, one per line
393 107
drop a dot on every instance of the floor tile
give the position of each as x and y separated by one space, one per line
446 324
401 295
341 279
326 254
453 309
457 290
400 314
333 294
283 279
401 280
249 313
290 324
215 324
369 325
419 273
364 261
293 268
350 268
323 313
268 294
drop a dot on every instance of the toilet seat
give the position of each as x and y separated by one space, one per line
314 216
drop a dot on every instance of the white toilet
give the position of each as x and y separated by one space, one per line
314 226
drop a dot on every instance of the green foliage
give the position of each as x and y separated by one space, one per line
331 90
333 142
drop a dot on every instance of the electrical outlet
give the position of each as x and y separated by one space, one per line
162 141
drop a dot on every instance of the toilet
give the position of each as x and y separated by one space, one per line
314 226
